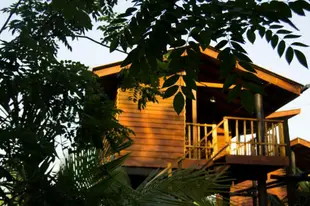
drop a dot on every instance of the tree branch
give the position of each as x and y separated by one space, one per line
97 42
10 16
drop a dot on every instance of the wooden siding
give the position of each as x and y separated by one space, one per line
159 131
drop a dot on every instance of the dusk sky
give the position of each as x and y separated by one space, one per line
262 54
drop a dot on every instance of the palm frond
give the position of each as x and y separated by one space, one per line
186 187
85 180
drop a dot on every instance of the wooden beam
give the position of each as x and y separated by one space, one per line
257 160
108 71
284 114
300 141
264 75
261 73
212 85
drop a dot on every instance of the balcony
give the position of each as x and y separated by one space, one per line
234 136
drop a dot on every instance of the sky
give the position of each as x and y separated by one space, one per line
261 53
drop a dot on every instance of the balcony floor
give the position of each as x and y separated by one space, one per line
243 167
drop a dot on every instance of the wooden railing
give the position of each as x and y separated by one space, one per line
241 133
239 137
198 140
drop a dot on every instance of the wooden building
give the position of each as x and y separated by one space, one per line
209 132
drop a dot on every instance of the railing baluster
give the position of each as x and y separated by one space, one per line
252 139
206 149
237 137
198 143
244 137
190 140
274 141
266 139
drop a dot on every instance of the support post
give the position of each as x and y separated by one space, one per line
262 190
291 185
254 197
260 125
195 128
226 199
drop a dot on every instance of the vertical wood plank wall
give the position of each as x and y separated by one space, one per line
159 131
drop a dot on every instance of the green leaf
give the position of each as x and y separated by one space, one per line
227 64
171 91
296 7
205 39
189 82
230 80
274 41
281 48
178 102
283 31
171 81
242 57
130 10
251 36
188 92
299 44
221 44
288 21
194 46
114 44
178 43
268 35
247 66
255 88
195 33
238 47
291 36
289 55
119 20
176 53
234 93
261 31
301 58
276 26
247 100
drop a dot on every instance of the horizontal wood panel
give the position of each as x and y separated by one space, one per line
147 131
149 125
125 96
159 142
164 108
171 117
148 162
150 111
131 119
159 136
154 154
166 102
157 148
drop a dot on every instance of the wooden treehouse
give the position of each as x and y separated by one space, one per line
209 132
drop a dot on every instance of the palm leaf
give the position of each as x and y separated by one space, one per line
187 187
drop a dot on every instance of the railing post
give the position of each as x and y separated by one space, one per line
226 133
169 166
261 126
282 140
195 128
214 140
291 185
